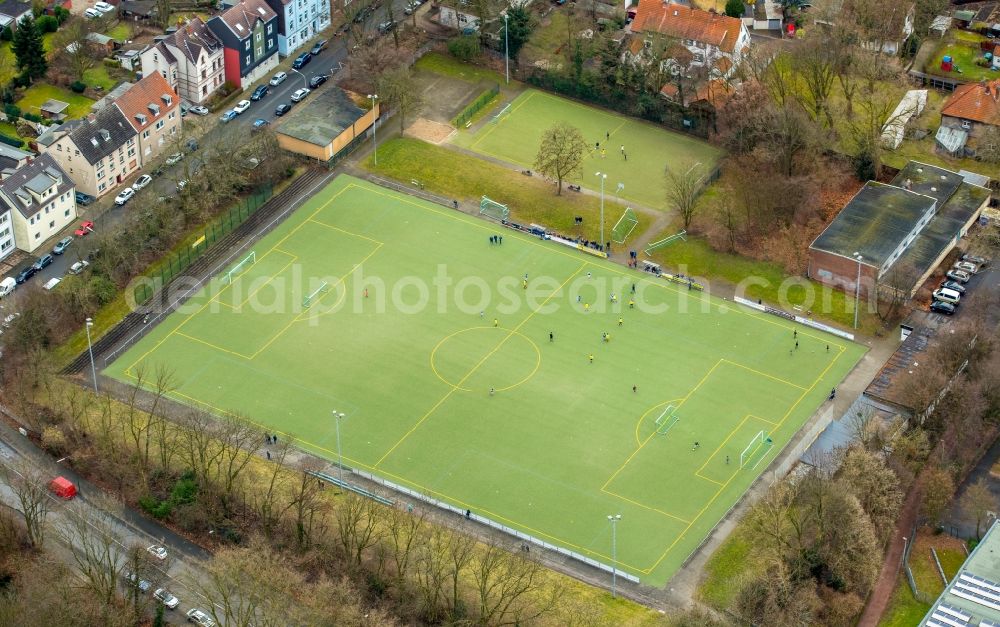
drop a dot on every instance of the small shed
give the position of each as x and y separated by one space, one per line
964 18
107 44
62 487
53 109
940 25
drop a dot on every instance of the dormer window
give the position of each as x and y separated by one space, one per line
93 140
105 134
141 118
154 108
167 99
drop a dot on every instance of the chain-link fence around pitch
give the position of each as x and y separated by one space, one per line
176 263
476 106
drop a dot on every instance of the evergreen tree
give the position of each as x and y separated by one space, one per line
28 48
735 8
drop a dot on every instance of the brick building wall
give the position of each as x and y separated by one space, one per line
840 272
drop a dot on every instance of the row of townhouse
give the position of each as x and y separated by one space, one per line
240 46
93 155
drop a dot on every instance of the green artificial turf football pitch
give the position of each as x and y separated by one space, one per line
649 149
414 317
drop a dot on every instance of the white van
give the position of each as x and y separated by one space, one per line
7 286
946 295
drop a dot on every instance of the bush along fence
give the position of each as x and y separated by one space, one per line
216 230
474 107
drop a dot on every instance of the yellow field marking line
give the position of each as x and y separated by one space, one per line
724 442
337 228
495 125
210 345
763 374
642 418
646 441
644 506
770 422
298 317
472 371
538 359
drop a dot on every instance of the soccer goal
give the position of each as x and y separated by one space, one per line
503 112
759 441
308 300
666 420
666 241
623 228
493 209
248 261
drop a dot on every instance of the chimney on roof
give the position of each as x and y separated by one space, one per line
91 117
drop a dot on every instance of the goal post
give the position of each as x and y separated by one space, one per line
666 420
625 225
760 440
247 261
322 289
492 209
502 112
666 241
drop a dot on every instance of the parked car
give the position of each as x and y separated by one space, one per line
411 6
948 296
228 116
318 47
62 245
199 110
142 181
301 61
93 13
124 196
959 275
363 14
84 199
954 285
386 26
85 227
316 81
157 551
943 308
168 600
241 106
25 274
181 184
8 285
104 7
300 94
979 261
282 109
260 123
43 262
79 266
278 79
259 93
966 266
137 581
175 158
199 617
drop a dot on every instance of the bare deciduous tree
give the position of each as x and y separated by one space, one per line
684 183
30 487
505 585
560 153
91 536
978 501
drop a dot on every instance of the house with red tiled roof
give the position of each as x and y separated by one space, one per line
708 36
152 108
249 34
969 110
191 59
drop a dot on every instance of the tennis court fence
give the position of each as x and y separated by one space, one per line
520 535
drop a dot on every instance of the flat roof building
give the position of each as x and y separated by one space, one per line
972 599
325 123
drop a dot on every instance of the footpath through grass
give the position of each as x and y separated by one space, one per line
530 199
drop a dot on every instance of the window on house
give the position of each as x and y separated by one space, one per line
102 187
37 235
270 28
100 174
270 43
66 213
131 152
248 60
52 224
145 134
247 45
160 124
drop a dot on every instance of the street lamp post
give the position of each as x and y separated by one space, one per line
857 289
603 177
614 554
338 416
90 351
374 97
506 48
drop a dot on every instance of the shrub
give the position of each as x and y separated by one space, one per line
32 117
6 34
110 62
21 80
61 15
464 47
47 24
78 87
735 8
12 110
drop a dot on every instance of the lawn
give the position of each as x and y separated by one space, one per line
530 199
963 47
36 95
120 32
449 66
649 149
460 383
725 569
98 76
903 610
761 280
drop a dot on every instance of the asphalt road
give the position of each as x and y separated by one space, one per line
207 130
